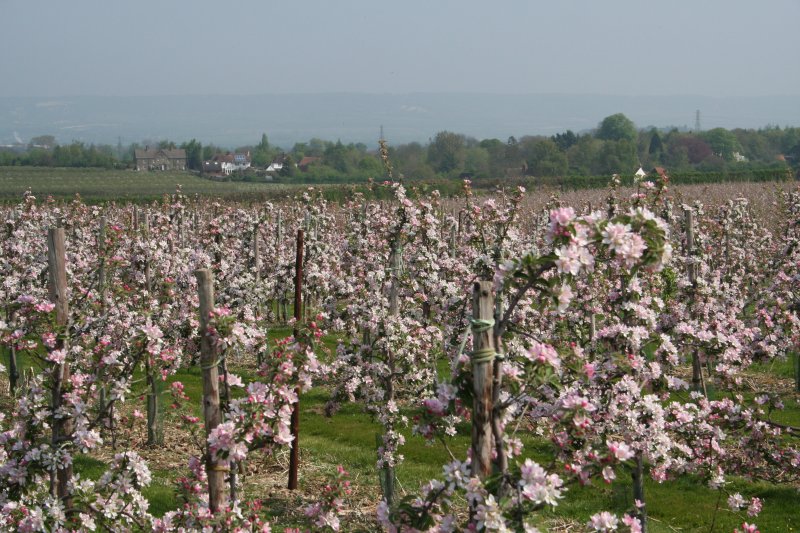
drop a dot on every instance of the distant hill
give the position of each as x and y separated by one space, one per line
288 118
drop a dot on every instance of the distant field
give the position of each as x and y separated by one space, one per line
99 184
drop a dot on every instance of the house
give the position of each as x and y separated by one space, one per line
639 174
660 172
226 164
306 162
160 159
212 168
277 164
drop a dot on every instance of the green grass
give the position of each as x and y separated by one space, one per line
784 368
684 504
98 185
349 438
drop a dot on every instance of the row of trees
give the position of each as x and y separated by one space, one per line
76 154
615 146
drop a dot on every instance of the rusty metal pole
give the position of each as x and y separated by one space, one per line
294 457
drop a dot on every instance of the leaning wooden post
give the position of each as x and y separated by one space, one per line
211 409
483 352
57 288
691 273
294 457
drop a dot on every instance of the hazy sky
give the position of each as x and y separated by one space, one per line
630 47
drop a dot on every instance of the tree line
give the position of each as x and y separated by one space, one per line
615 146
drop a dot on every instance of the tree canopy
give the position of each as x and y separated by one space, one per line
617 127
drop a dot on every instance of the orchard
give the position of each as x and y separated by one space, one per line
541 346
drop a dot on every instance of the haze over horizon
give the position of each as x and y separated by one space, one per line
92 50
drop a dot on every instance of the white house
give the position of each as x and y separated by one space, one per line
277 164
230 163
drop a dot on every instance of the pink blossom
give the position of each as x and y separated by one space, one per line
620 450
543 353
604 521
57 356
45 307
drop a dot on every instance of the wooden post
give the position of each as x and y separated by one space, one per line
181 242
482 375
148 285
283 304
57 289
256 253
691 273
13 372
388 477
294 457
218 252
211 409
279 230
154 433
500 460
101 291
101 271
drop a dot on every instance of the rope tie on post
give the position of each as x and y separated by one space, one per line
215 363
484 355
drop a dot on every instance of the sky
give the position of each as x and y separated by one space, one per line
178 47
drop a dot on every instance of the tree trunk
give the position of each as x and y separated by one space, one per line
638 490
